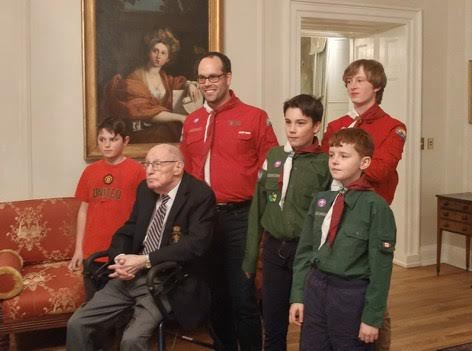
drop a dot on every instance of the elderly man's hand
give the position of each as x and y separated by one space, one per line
126 266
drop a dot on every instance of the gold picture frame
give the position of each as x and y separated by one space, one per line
112 30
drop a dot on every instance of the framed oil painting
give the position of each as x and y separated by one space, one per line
139 65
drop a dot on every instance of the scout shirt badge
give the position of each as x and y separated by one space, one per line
234 123
321 203
108 179
401 133
176 234
272 197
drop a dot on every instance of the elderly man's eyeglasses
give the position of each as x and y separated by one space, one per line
211 78
155 165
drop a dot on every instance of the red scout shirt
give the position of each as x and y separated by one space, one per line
389 137
242 136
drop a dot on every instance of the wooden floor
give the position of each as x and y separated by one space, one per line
428 313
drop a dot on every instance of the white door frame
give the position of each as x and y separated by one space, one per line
408 235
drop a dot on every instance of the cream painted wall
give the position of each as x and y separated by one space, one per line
41 145
15 145
41 98
56 97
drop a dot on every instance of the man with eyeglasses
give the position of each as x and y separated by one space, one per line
225 143
172 220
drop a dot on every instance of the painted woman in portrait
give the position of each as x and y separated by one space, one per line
146 95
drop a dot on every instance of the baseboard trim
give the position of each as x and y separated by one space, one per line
453 255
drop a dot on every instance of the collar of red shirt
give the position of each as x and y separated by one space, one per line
233 101
373 113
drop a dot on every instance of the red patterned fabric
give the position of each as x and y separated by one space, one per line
42 232
48 289
39 230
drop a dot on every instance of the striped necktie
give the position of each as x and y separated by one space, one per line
155 229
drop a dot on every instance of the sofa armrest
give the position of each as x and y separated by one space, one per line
11 280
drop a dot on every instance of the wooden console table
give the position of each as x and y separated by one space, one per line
455 216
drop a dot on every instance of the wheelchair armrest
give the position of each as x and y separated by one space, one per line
164 277
91 259
161 279
162 270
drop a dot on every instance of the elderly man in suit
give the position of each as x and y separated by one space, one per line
172 220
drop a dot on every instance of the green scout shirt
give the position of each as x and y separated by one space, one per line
309 175
363 248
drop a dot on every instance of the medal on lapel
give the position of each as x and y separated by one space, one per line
176 234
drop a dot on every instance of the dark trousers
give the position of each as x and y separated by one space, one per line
235 314
332 313
276 283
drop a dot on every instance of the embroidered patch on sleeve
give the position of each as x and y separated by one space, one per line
272 197
321 203
401 133
386 245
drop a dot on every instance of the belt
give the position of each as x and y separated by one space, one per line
283 241
341 282
232 206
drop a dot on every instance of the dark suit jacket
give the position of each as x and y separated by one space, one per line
193 211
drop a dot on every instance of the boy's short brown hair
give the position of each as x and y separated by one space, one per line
309 106
117 126
362 141
374 72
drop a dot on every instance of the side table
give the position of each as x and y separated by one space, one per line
455 216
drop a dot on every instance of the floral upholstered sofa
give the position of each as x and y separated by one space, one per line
37 291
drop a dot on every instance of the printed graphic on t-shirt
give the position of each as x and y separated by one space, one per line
106 193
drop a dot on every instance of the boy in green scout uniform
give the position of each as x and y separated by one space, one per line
291 176
343 263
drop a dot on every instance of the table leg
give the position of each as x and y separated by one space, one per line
467 253
438 254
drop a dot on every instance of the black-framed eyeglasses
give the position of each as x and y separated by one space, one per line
213 78
155 165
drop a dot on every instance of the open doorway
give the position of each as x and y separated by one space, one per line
391 36
322 61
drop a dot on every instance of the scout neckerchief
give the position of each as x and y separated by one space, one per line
332 220
210 132
285 176
372 113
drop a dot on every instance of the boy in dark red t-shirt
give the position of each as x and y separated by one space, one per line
107 192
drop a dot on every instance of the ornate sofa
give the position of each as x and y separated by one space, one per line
37 291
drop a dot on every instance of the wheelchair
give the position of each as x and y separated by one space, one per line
160 280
